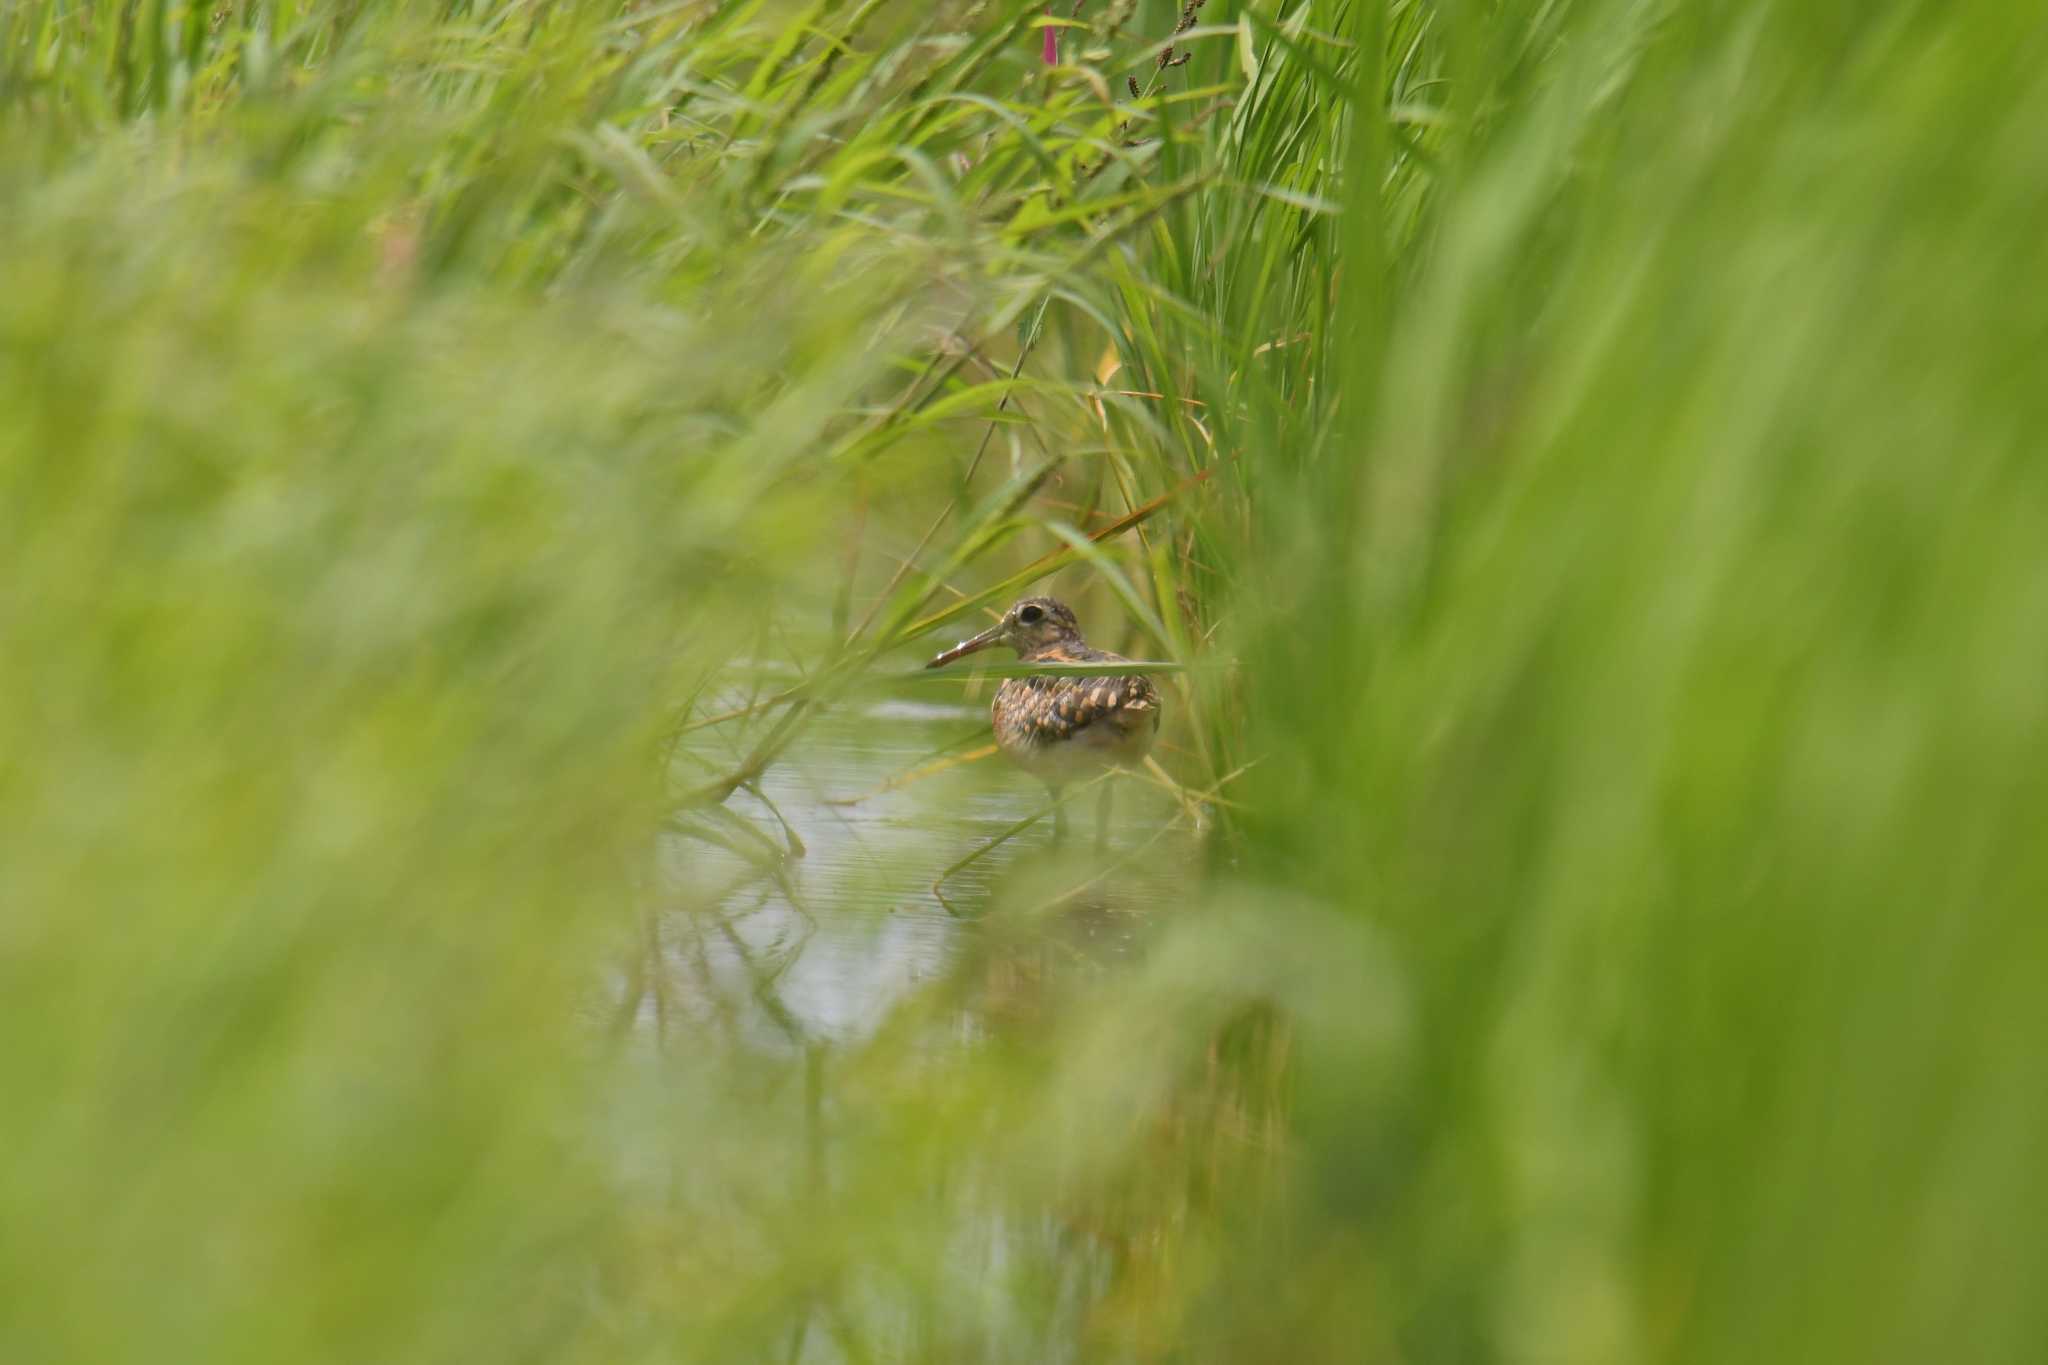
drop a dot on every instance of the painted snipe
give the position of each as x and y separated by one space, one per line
1063 729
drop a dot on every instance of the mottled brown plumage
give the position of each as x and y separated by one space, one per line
1062 729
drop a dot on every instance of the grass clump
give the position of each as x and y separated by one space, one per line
1578 458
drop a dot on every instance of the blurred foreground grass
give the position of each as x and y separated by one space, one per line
1604 435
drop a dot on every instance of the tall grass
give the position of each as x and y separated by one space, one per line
1583 451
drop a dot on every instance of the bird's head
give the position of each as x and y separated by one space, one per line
1031 627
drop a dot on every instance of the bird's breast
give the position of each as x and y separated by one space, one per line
1064 727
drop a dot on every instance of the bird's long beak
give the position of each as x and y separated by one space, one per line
992 636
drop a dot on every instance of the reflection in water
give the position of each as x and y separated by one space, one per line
879 802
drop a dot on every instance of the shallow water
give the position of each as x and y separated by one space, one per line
751 1055
857 924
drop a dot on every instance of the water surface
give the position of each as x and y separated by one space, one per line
881 798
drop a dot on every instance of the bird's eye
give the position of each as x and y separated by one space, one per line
1031 616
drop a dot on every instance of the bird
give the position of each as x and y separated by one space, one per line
1063 729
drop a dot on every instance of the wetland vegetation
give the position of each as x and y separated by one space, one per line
479 479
